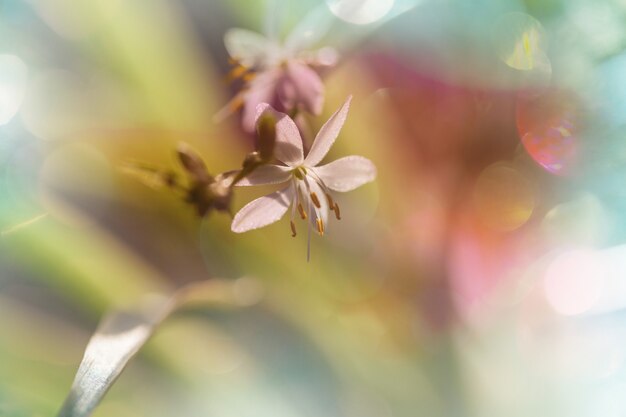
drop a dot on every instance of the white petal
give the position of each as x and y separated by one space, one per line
327 135
262 211
288 148
348 173
310 30
323 57
266 174
249 48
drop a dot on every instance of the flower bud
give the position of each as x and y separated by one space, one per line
192 162
266 136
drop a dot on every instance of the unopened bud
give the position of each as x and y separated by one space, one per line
192 162
266 136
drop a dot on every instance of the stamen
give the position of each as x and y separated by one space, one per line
236 103
249 76
315 200
331 203
301 211
293 229
236 73
320 226
337 212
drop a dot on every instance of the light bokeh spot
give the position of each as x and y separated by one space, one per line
75 172
520 41
548 127
583 220
13 77
574 281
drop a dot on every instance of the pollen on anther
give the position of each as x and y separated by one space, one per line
331 203
236 103
249 76
320 226
315 200
337 212
301 211
237 72
293 229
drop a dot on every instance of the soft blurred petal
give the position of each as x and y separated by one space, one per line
301 87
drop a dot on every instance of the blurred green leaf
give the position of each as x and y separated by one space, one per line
121 334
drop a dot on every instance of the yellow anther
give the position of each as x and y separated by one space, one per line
320 226
315 200
237 72
337 212
249 76
236 103
293 229
301 211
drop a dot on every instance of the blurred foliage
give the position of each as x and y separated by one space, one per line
411 305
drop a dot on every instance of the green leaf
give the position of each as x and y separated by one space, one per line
120 335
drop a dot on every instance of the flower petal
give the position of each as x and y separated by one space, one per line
262 211
249 48
327 135
302 88
323 57
261 90
348 173
266 174
288 148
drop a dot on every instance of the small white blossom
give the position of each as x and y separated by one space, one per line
282 74
309 187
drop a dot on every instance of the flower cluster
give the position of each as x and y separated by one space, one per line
282 74
280 83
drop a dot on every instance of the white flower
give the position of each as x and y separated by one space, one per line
309 187
279 73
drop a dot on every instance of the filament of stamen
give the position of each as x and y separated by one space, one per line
293 229
320 226
315 200
236 103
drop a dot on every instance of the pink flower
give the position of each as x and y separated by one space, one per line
309 187
282 75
